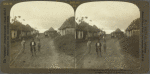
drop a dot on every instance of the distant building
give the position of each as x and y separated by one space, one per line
117 33
51 32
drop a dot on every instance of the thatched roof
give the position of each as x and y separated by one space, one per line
118 30
96 28
134 25
69 23
83 26
51 29
19 26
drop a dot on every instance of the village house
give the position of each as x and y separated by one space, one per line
85 31
14 30
51 32
117 33
81 31
18 30
132 29
68 27
13 33
96 31
128 31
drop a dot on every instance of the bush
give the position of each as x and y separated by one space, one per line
65 44
131 45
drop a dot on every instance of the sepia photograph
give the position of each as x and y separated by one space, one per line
107 35
42 35
74 36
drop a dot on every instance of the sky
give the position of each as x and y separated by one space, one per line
42 15
109 15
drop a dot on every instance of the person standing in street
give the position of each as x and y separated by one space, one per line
89 46
23 44
32 45
39 45
104 46
98 48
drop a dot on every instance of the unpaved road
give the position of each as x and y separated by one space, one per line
113 59
48 57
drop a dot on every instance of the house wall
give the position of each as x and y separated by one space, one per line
136 32
130 33
62 32
80 34
90 34
67 31
70 30
96 34
33 32
23 33
75 34
13 34
127 33
28 33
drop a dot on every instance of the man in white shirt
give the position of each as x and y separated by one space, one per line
32 45
98 48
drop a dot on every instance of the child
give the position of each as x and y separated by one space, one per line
23 44
98 47
39 45
89 45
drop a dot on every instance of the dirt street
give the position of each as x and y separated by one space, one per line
114 58
48 57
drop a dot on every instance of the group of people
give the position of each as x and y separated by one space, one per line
32 45
98 46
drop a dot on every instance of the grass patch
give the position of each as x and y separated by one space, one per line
130 45
65 44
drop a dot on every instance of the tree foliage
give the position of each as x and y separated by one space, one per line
16 25
84 26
